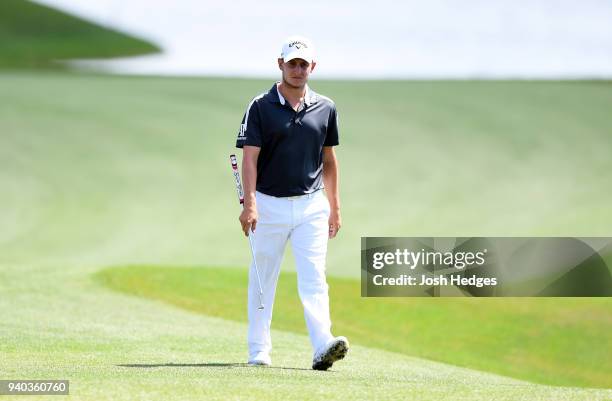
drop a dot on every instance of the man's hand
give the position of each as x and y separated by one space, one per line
335 222
330 179
248 220
248 217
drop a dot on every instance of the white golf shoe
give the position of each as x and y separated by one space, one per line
332 352
260 359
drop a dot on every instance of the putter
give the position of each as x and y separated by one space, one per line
241 199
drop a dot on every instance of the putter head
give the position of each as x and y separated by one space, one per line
261 306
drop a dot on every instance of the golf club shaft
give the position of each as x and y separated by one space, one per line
256 269
250 235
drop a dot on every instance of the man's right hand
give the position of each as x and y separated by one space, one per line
248 219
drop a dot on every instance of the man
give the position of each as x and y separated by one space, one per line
287 136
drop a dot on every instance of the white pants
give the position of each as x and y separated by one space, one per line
303 220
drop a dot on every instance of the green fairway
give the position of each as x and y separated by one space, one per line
417 159
101 171
112 346
33 35
545 340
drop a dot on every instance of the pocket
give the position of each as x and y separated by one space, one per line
325 205
261 204
268 208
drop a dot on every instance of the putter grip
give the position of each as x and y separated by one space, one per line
237 178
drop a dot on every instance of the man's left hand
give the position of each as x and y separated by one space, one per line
334 223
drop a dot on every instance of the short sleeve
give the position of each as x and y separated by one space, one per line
331 139
250 128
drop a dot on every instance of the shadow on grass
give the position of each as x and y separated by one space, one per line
203 365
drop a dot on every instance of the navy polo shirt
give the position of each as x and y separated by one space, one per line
291 143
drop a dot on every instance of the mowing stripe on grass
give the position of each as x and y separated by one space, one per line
547 340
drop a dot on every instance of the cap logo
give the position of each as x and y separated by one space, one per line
298 44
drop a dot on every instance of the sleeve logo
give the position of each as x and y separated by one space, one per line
242 132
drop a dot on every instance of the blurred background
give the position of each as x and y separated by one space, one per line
119 238
384 39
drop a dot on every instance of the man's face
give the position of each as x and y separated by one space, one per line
296 71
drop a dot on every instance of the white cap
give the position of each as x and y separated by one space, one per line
297 47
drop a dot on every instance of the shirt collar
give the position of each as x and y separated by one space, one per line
310 97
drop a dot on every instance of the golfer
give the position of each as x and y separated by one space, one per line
288 136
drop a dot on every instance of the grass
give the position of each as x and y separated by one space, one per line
101 171
545 340
33 35
119 347
538 166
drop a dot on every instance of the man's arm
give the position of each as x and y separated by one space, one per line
330 179
248 217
